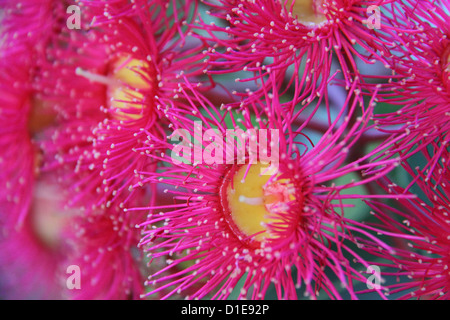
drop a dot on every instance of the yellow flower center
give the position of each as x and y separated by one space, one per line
307 11
127 84
126 95
254 201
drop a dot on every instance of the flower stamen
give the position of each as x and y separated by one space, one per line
446 68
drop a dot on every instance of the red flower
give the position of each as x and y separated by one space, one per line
419 263
295 39
104 247
418 89
33 256
228 223
112 80
24 116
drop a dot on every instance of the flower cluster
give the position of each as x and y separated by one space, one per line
224 149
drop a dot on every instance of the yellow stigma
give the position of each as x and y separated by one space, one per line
252 201
307 11
126 94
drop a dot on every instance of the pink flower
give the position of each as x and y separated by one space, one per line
17 176
28 25
419 88
33 256
24 116
420 229
30 216
295 39
104 247
113 79
34 99
229 224
35 259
